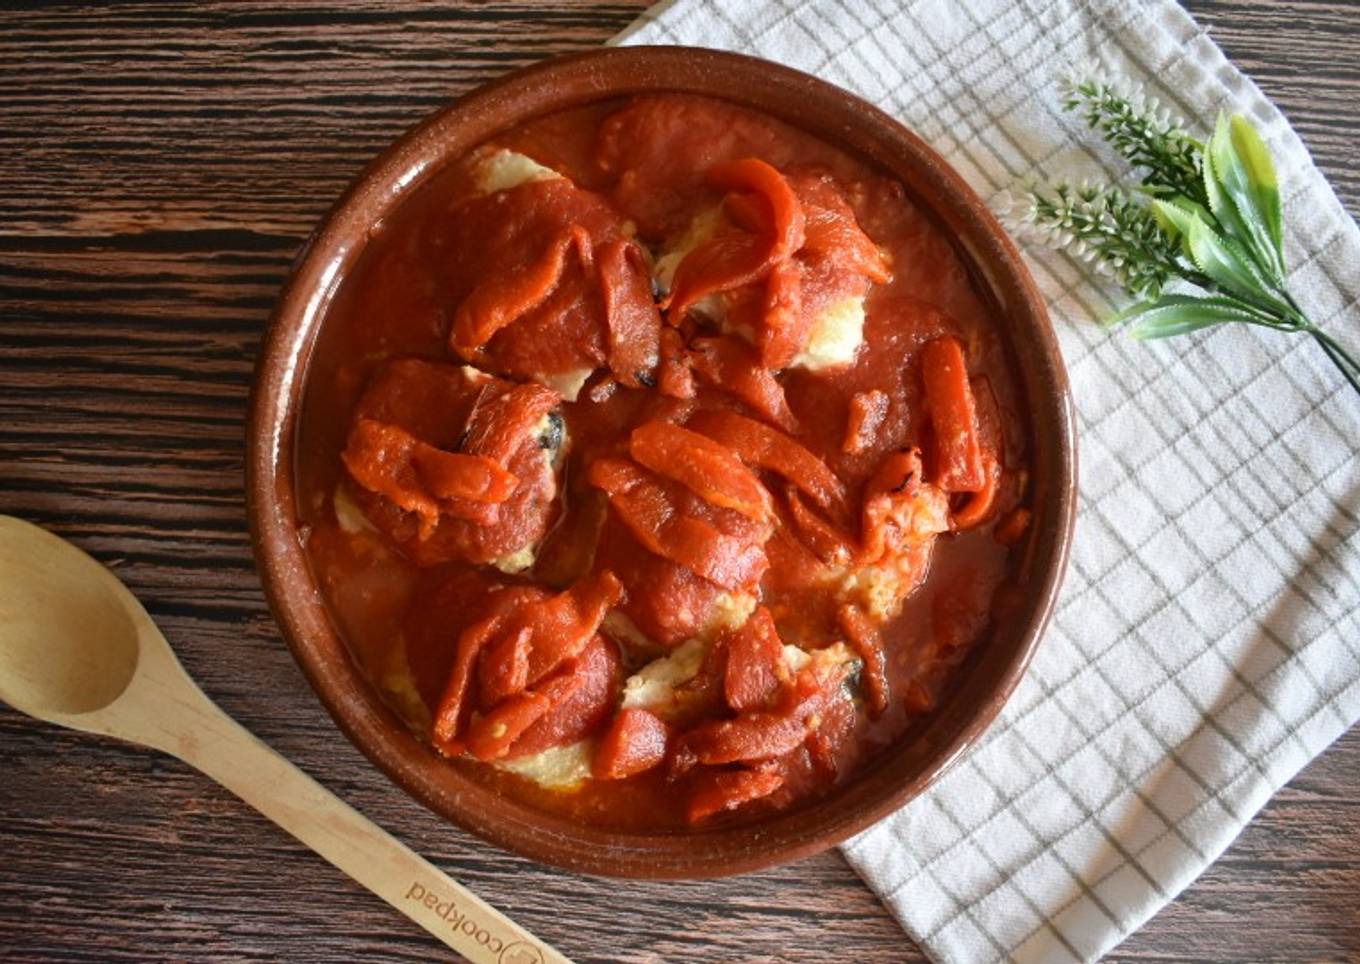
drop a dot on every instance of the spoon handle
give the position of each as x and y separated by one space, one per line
228 753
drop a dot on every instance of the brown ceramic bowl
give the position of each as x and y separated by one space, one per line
830 113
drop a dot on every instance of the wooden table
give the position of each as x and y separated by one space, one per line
160 166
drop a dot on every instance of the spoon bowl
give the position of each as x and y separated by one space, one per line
68 644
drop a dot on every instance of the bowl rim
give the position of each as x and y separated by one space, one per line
280 377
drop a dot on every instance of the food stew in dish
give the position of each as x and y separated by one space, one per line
660 463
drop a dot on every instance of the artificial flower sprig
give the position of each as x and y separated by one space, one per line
1205 220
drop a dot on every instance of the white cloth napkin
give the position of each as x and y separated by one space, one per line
1207 643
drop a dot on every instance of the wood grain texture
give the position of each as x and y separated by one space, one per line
159 167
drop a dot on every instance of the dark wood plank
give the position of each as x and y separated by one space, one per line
161 164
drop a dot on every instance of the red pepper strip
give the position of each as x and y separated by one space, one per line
503 418
826 542
748 738
516 645
721 790
649 513
949 400
764 735
453 475
750 212
420 478
448 717
635 742
730 364
834 234
897 479
979 507
589 707
838 724
755 664
758 444
674 377
865 640
703 466
867 412
784 326
703 692
786 211
564 624
731 260
631 320
717 557
719 264
491 737
498 302
559 628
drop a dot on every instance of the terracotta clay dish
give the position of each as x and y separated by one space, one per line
661 463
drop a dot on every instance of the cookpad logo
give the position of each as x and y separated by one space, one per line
507 952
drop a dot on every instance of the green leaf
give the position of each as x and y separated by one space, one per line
1238 210
1177 223
1174 321
1222 207
1193 207
1261 180
1181 314
1245 258
1175 216
1222 260
1131 312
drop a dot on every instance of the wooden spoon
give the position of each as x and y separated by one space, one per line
78 650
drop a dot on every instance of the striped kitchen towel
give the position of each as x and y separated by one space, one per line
1207 643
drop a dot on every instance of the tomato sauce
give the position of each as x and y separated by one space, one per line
661 463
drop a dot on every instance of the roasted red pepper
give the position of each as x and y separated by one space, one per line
949 399
645 507
767 448
706 468
635 742
755 664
